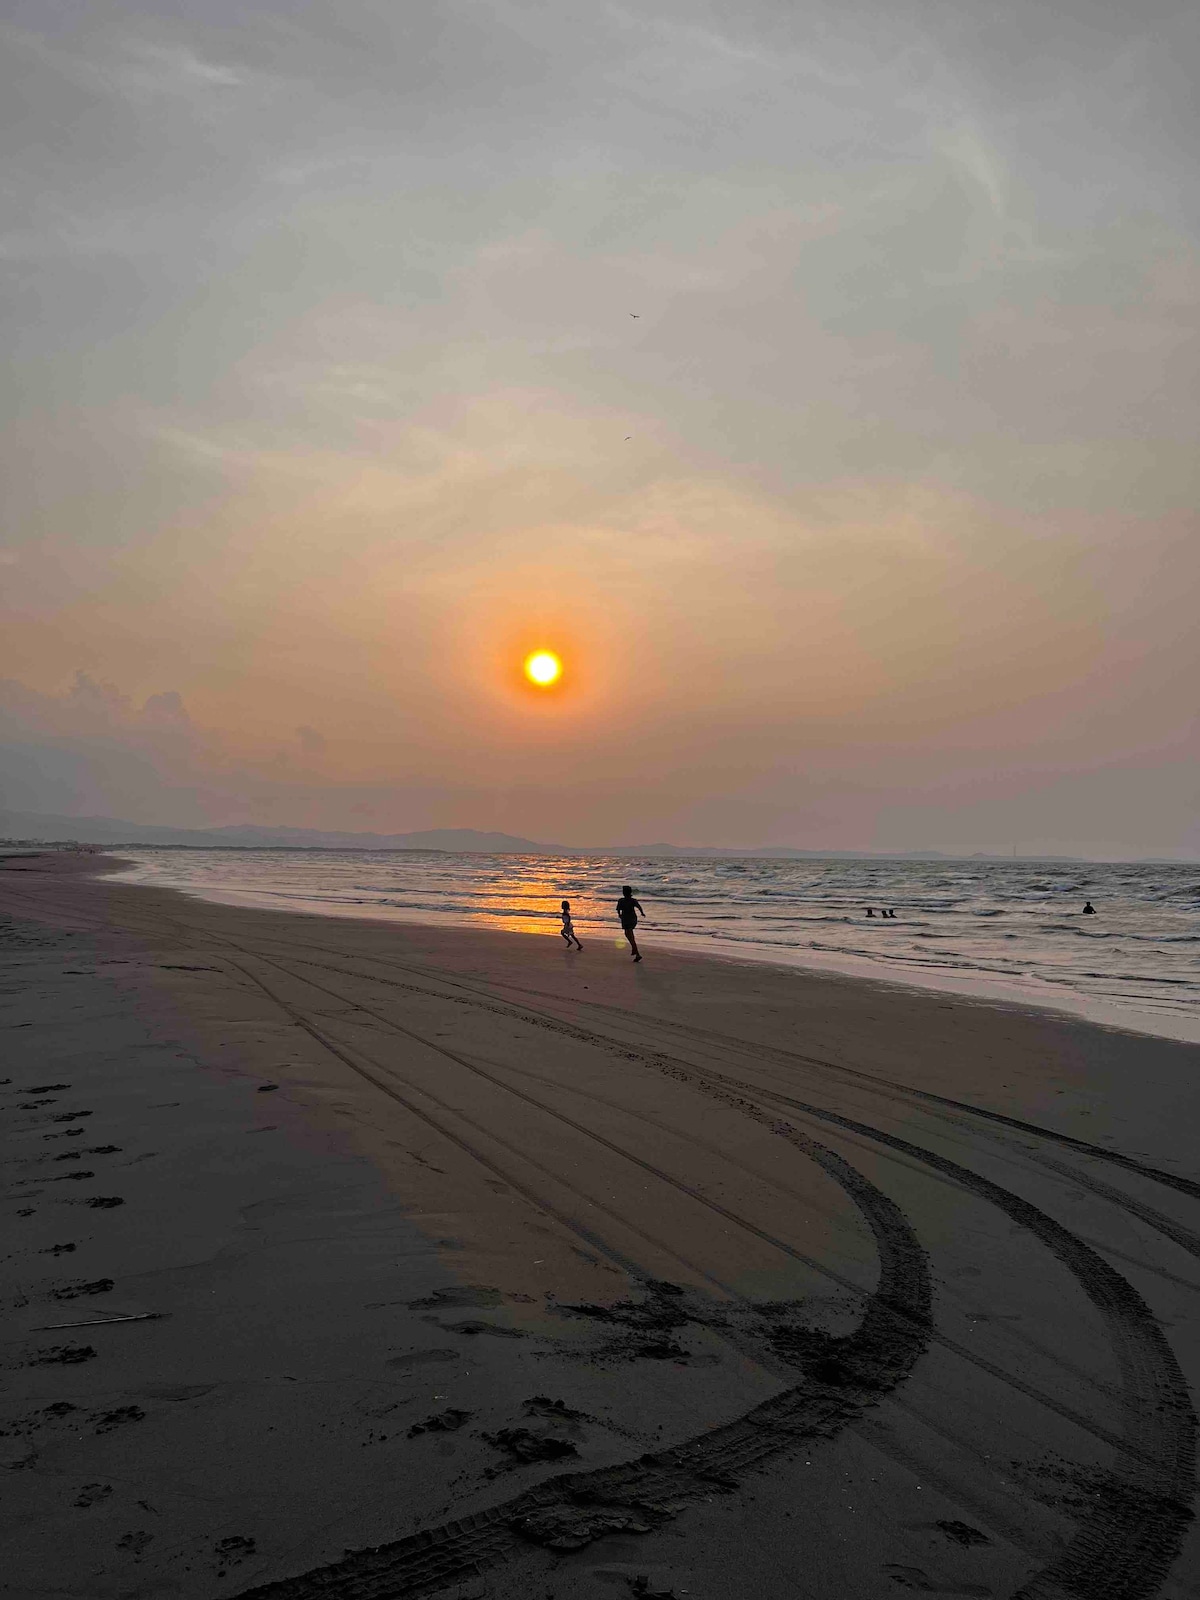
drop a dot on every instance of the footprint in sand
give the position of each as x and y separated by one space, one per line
135 1543
62 1355
473 1294
421 1358
108 1420
963 1533
229 1552
92 1493
72 1291
449 1421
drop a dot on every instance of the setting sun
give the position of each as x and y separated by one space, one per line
543 668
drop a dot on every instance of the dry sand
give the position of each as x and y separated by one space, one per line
466 1266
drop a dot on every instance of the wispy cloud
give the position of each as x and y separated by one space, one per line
174 69
133 66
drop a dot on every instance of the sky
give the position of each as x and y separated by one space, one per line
822 383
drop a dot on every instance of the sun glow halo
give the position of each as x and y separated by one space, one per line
543 668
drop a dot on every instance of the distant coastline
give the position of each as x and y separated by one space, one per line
27 828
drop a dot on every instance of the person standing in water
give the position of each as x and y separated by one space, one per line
627 910
568 927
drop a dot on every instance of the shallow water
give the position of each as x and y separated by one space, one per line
1009 930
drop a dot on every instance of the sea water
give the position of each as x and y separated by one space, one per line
996 929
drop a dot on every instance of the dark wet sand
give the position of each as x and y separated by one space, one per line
466 1266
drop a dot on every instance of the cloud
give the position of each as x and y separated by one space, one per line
326 391
92 749
91 709
174 69
131 67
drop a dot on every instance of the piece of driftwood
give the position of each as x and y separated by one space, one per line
101 1322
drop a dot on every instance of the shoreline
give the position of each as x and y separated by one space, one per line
512 958
722 1276
1041 996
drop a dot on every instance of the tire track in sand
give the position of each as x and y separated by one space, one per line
569 1510
776 1126
1124 1547
1187 1238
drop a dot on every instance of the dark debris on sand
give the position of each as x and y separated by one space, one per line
448 1421
72 1291
963 1533
541 1405
525 1446
109 1420
650 1329
641 1586
63 1355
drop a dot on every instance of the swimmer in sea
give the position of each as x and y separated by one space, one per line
1089 910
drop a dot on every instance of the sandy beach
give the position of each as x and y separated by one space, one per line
363 1260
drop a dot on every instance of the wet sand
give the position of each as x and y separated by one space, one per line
454 1263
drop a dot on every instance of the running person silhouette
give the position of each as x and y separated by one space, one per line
627 910
568 927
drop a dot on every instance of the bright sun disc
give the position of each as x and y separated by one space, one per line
543 668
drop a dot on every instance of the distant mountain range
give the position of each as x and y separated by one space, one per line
33 827
36 827
112 830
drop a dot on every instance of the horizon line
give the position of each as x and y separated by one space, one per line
519 844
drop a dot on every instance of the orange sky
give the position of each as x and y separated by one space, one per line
874 528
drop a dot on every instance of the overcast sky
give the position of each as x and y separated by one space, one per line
874 527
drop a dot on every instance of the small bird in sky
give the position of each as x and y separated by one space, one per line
636 315
628 436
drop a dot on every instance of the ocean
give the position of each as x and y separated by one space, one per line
996 929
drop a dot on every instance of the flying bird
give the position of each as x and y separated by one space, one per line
636 315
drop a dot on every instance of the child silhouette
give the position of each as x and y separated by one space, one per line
568 927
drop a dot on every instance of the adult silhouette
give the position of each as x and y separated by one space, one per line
627 910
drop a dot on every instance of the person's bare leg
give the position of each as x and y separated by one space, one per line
637 954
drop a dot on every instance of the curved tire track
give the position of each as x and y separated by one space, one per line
715 1085
1186 1238
1124 1547
488 1000
571 1509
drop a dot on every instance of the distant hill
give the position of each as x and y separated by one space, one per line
770 852
113 831
245 836
34 826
